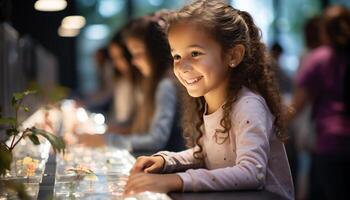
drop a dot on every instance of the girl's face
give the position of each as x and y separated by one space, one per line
198 62
139 57
118 59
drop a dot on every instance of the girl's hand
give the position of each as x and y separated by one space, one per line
161 183
148 164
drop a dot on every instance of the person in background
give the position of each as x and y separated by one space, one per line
155 125
303 126
324 80
233 119
126 90
312 26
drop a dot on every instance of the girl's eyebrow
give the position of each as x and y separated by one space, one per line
192 46
195 46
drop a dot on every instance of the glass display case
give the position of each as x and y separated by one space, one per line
95 173
81 172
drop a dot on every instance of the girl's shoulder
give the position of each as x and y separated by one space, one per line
246 94
249 102
251 109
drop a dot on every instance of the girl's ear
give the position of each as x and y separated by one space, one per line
236 55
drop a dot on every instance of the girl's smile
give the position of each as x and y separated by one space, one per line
191 81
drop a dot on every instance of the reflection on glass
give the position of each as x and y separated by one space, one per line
110 170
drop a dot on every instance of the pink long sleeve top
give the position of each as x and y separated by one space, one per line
251 158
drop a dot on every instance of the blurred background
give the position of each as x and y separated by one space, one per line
30 34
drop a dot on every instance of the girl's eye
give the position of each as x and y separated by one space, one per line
195 53
176 57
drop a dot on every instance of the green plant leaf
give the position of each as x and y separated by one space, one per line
8 121
29 92
20 95
34 139
25 108
5 159
11 131
57 143
13 102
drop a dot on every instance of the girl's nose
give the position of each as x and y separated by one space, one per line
185 66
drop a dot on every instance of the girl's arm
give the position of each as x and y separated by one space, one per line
180 161
251 135
162 122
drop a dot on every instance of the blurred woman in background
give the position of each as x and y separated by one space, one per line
155 126
324 81
126 86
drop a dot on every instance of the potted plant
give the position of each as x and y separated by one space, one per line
16 133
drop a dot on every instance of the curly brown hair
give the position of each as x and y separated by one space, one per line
230 27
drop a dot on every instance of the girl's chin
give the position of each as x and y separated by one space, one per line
194 93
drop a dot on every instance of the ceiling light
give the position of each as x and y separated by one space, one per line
65 32
50 5
73 22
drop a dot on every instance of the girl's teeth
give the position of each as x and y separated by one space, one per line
191 81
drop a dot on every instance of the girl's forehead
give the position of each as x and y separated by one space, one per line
189 30
185 34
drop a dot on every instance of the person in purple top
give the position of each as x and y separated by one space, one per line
324 81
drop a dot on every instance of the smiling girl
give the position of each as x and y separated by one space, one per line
232 118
